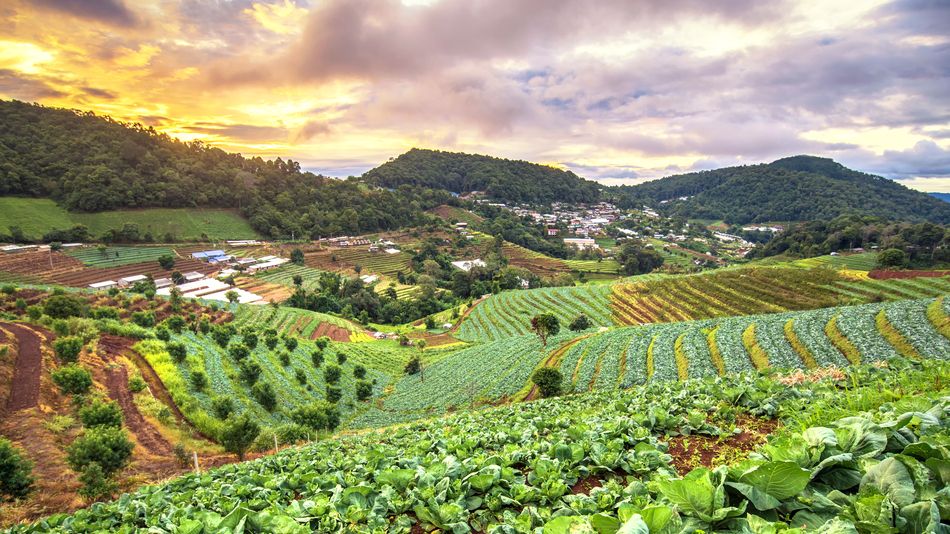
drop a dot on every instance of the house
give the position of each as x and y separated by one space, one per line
100 286
243 243
373 248
580 243
207 254
467 265
391 251
193 276
369 278
132 280
552 232
225 273
267 265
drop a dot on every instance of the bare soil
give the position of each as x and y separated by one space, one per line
25 389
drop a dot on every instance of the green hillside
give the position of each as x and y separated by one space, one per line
36 216
799 188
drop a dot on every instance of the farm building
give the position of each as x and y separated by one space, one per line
208 255
10 249
244 297
267 265
99 286
193 276
227 272
162 282
467 265
369 278
581 243
198 288
132 280
391 251
72 245
243 243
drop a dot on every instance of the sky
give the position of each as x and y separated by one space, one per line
620 91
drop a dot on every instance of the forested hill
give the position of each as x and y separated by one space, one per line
942 196
798 188
500 179
90 163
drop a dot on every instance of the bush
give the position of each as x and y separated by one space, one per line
95 483
359 371
334 394
413 366
176 323
20 304
548 380
364 390
317 358
238 434
68 348
250 339
892 258
101 414
107 446
16 477
167 261
582 322
284 359
239 351
331 374
290 343
145 319
221 334
199 380
162 333
65 306
222 407
301 376
8 289
318 415
322 342
177 351
264 394
105 312
340 358
250 371
136 384
271 342
34 312
72 379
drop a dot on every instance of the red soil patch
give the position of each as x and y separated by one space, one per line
690 452
585 485
434 340
25 389
891 275
332 331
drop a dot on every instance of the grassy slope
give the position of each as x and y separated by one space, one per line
37 216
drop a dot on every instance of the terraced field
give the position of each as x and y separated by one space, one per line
284 276
371 262
118 256
623 357
303 323
509 313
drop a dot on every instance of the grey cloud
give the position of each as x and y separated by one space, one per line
244 132
15 85
113 12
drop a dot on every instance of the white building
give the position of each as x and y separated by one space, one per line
132 280
99 286
581 243
466 265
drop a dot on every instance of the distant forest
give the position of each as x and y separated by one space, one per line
90 163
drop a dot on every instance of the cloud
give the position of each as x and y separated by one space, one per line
21 87
112 12
240 132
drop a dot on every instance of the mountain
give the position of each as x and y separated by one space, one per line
88 163
942 196
500 179
797 188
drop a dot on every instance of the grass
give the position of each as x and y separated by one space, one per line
36 216
116 256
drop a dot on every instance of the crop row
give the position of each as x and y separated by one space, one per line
285 276
293 321
115 256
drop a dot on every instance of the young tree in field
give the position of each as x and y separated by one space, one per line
178 278
296 256
545 325
548 380
68 348
298 280
892 258
16 477
232 296
238 434
174 300
72 379
166 261
582 322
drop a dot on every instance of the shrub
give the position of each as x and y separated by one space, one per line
72 379
95 483
222 407
318 415
8 289
136 384
413 366
145 319
109 447
271 342
20 304
105 312
34 312
199 380
238 434
221 335
892 257
331 374
301 376
250 339
68 348
582 322
290 343
181 454
177 351
364 390
359 371
250 371
101 414
322 342
162 333
16 477
340 358
548 380
334 394
64 306
176 323
264 394
167 261
317 358
239 351
284 359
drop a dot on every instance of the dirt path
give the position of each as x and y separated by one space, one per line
554 358
25 390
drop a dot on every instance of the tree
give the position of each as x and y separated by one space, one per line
318 415
341 358
68 348
296 256
104 414
582 322
178 278
298 280
72 379
65 306
177 351
166 261
331 374
16 477
291 343
222 406
264 394
232 296
359 371
238 434
238 351
544 326
548 380
317 358
199 380
635 258
364 390
174 300
107 446
334 394
892 258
